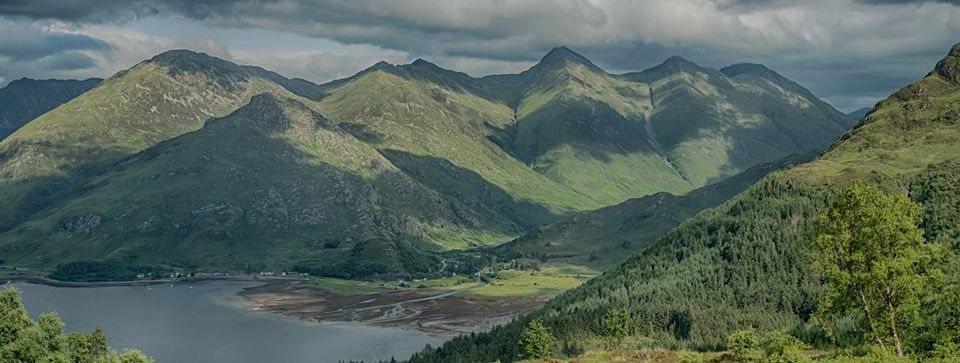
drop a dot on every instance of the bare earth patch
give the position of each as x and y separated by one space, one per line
440 313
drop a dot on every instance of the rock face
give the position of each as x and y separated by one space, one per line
949 67
25 99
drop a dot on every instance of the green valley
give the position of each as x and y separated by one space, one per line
746 264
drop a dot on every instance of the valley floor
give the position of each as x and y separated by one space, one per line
443 308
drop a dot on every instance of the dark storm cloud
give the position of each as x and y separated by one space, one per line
25 46
32 50
756 4
900 2
842 49
108 10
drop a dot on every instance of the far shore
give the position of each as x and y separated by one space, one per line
58 283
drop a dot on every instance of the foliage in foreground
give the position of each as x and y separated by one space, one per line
745 264
44 340
875 261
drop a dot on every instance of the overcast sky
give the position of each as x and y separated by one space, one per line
850 52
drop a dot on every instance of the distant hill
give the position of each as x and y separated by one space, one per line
401 161
24 99
860 113
745 263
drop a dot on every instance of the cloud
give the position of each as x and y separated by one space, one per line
45 50
843 50
898 2
319 66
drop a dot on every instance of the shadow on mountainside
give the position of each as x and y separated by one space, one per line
468 187
234 196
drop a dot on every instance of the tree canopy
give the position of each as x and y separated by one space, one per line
873 256
44 340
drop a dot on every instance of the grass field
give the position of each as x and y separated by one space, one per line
549 281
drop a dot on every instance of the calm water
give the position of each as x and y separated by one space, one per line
208 322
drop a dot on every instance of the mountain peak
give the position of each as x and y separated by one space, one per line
420 62
949 67
380 66
676 59
224 72
267 111
672 65
678 62
181 56
22 80
562 55
561 51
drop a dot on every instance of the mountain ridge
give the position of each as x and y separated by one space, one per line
483 160
746 263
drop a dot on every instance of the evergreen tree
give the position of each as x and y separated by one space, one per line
535 340
616 325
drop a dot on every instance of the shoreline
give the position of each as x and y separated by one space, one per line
438 313
82 284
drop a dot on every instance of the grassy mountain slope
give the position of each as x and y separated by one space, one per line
24 99
605 237
428 123
166 96
745 263
565 116
917 126
441 160
712 124
273 184
571 116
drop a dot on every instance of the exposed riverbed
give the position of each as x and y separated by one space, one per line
440 313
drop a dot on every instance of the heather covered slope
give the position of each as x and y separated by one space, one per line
746 263
24 99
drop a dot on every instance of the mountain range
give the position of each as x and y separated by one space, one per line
190 161
746 263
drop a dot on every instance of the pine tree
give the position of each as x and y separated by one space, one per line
535 340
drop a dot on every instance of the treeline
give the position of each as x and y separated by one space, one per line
745 264
92 271
44 340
